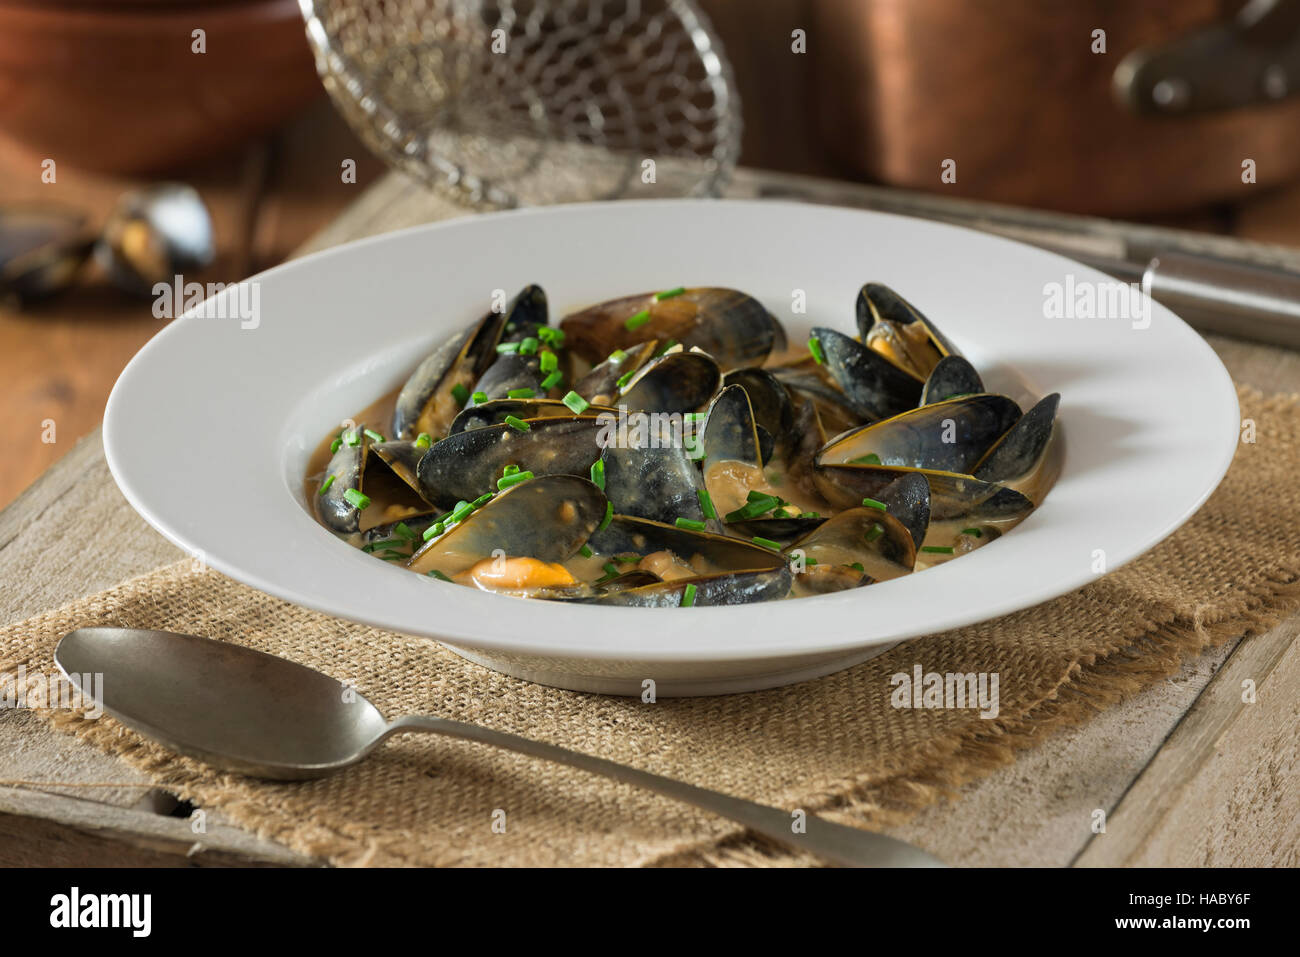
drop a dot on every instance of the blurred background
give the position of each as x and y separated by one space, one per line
102 97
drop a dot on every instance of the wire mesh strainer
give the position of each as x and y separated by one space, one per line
528 102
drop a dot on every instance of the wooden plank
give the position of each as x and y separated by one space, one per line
1224 790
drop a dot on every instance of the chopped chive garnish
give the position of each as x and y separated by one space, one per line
665 347
461 510
693 417
598 474
518 424
752 510
611 569
576 403
325 485
876 531
508 348
972 531
706 503
688 596
815 347
524 393
757 496
423 440
485 498
937 549
352 437
357 499
810 515
631 558
402 530
669 293
438 575
858 566
335 446
552 380
529 346
510 470
479 398
460 394
690 524
766 543
871 458
549 362
617 356
508 481
552 337
434 530
780 513
872 503
609 514
637 321
625 378
585 551
809 562
374 436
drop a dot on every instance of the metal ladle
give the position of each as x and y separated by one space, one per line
264 716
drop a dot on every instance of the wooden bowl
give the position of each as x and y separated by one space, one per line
115 86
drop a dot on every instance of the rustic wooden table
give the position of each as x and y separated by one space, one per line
1187 773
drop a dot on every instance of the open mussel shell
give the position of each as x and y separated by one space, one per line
657 480
547 518
952 377
893 327
729 571
600 385
1020 450
952 494
463 466
507 374
154 234
525 313
873 387
769 401
948 436
731 326
427 402
382 472
495 411
884 541
678 381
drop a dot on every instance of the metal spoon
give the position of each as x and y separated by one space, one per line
264 716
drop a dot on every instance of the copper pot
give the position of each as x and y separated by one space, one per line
1013 92
115 85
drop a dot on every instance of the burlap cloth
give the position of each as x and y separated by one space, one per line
834 745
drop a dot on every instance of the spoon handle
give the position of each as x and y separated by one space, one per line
846 846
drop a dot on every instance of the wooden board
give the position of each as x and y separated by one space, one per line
1185 772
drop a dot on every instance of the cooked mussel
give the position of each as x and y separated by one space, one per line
731 326
947 436
873 387
515 540
466 465
368 483
891 326
953 376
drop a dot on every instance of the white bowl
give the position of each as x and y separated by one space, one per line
209 428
